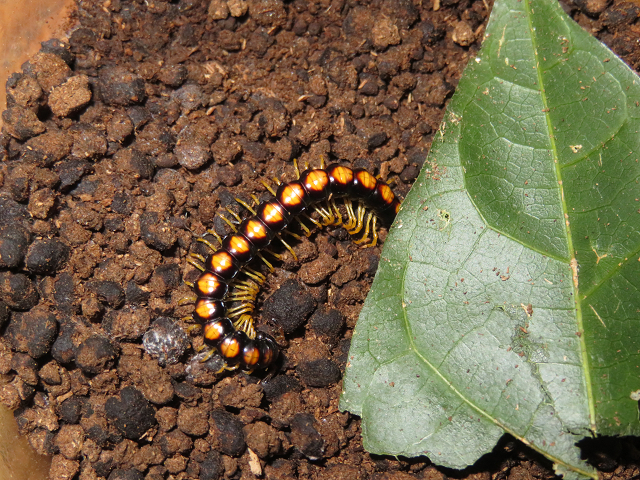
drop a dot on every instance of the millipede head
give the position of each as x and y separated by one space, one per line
293 197
240 247
210 285
269 349
208 310
250 355
273 215
316 184
223 264
217 330
364 184
388 214
231 347
257 232
340 179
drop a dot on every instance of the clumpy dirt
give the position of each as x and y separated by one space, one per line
124 144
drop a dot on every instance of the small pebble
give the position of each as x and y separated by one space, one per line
41 202
305 437
118 86
18 291
48 148
131 413
71 409
368 84
22 123
130 161
26 368
227 431
69 441
211 468
135 295
14 241
237 8
463 35
327 322
32 332
70 172
192 155
129 474
318 270
64 349
318 373
139 116
173 75
218 10
63 469
174 442
592 8
155 233
95 355
23 91
46 256
59 48
279 385
107 291
12 213
191 97
289 306
70 96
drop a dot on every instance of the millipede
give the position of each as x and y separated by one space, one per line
237 342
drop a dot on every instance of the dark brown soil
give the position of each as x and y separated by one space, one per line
123 146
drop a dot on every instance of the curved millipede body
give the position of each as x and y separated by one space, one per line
238 344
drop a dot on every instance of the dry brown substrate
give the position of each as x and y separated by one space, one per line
122 146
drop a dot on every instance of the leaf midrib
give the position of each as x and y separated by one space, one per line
565 210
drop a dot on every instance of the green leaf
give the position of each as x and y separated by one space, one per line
507 295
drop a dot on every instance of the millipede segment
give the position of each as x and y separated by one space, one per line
230 330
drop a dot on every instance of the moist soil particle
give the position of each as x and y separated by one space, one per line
122 146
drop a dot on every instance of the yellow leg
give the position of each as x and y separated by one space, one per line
268 187
275 255
360 221
351 217
207 243
191 328
295 165
245 323
374 232
218 237
246 205
187 300
307 232
234 215
228 222
335 211
325 217
195 264
315 222
365 236
288 247
266 262
197 256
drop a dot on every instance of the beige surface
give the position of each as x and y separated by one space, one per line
23 25
17 460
